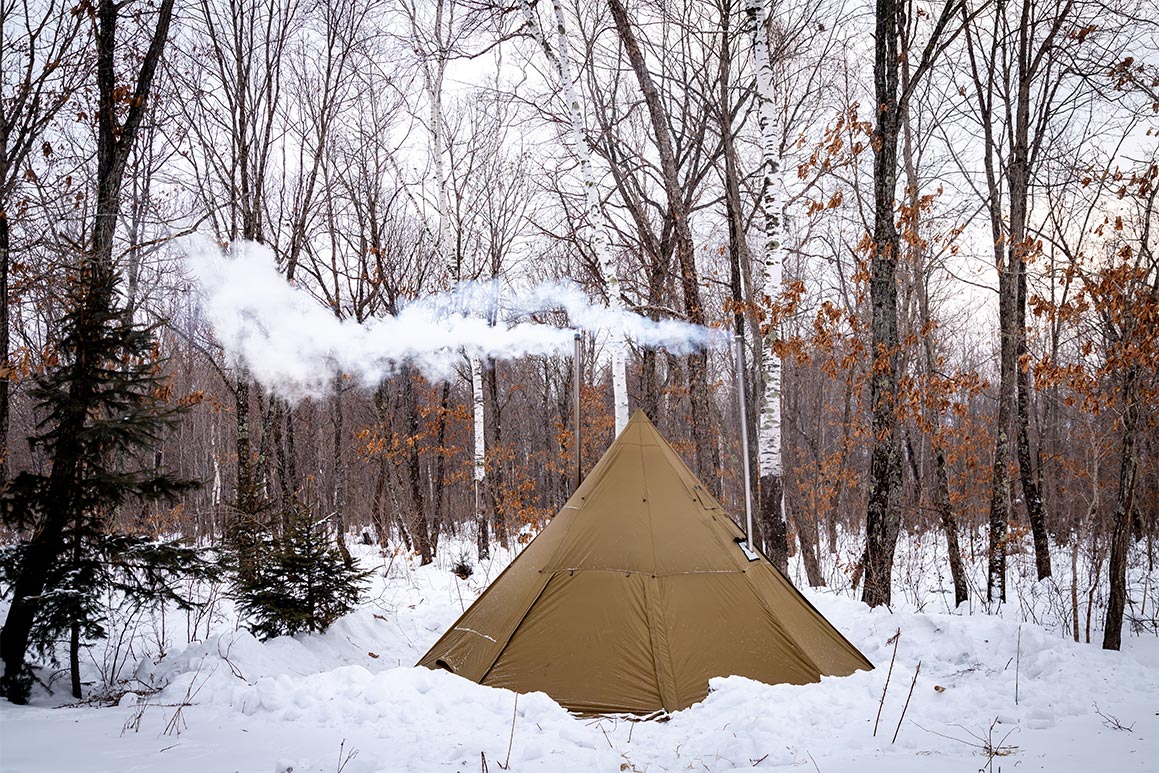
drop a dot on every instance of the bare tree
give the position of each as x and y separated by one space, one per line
707 455
38 75
892 95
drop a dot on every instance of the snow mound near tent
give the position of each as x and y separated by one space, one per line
423 718
962 701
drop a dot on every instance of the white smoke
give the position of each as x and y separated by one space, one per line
294 345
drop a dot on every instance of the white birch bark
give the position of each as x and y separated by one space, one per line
769 423
561 59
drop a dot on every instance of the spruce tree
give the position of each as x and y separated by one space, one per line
101 405
296 581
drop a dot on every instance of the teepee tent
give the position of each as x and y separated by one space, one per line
636 594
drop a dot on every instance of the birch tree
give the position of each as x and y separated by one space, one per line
769 440
560 59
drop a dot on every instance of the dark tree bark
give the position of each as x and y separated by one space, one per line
440 467
5 369
1124 503
773 530
883 516
339 462
1031 492
807 532
247 497
494 438
420 529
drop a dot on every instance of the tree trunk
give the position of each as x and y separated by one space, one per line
1000 478
74 658
419 527
883 517
1035 509
437 498
482 495
1124 502
5 368
949 526
246 484
495 474
774 532
806 523
339 463
769 436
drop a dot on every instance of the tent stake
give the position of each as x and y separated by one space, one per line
738 347
575 399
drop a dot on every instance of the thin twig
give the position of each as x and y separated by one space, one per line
1017 664
1113 722
888 674
906 706
511 738
344 757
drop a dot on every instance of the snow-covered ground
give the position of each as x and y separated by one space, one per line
994 691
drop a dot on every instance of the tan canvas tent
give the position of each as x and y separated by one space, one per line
635 595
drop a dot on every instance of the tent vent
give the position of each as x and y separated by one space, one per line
749 553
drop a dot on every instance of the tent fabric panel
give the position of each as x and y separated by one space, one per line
587 644
683 534
811 632
716 627
635 595
470 646
611 529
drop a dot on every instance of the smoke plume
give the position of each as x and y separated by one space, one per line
294 345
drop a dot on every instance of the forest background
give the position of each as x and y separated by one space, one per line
932 224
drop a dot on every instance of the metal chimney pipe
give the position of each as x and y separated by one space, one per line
738 348
575 401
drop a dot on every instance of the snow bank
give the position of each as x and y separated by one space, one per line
348 700
962 702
